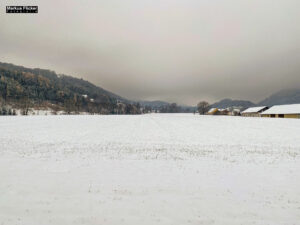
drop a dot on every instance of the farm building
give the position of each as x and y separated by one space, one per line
213 111
283 111
254 111
235 112
216 111
223 112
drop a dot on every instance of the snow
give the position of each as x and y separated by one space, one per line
149 169
283 109
254 109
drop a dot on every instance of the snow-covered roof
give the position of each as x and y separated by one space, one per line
223 110
254 109
283 109
212 110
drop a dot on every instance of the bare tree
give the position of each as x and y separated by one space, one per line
25 106
69 106
203 107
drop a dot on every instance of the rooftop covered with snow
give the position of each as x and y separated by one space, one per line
254 109
283 109
212 110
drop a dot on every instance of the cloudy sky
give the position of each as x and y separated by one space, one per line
175 50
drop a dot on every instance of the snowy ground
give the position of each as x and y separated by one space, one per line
149 169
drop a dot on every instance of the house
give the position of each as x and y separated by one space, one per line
213 111
254 111
216 111
283 111
234 110
223 112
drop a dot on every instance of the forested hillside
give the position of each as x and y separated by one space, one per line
26 88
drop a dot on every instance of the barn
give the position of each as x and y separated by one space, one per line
283 111
213 111
254 111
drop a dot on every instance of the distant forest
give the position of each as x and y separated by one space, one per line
23 88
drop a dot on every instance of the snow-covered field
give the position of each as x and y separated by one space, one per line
149 169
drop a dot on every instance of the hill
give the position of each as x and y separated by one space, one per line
225 103
287 96
154 104
25 87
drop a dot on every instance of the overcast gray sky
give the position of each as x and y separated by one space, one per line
175 50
